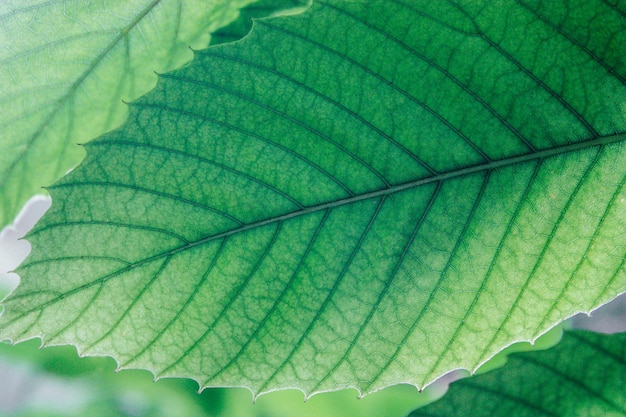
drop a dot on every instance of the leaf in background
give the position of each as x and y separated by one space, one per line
358 196
584 375
66 66
260 8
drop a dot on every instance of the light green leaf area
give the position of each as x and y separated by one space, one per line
585 375
66 66
357 196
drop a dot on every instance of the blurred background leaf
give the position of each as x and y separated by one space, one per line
584 375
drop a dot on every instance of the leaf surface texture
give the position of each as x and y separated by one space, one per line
364 194
66 66
584 375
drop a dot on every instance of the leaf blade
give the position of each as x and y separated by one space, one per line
584 374
294 196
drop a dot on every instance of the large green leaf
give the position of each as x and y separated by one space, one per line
585 375
66 66
364 194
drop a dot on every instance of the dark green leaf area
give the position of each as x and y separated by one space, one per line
585 375
257 9
357 196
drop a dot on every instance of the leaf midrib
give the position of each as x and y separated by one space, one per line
490 166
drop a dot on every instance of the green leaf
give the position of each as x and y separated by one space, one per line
585 375
260 8
66 66
361 195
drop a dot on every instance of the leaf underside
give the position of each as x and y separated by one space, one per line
364 194
585 375
66 66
